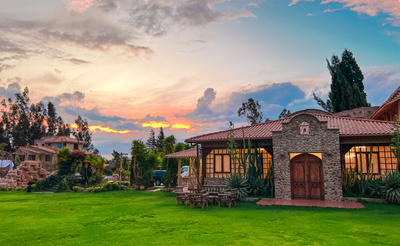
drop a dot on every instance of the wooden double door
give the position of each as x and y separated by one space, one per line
307 180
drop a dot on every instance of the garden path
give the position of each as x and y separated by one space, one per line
309 203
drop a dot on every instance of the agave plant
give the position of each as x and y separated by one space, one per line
256 185
237 181
391 187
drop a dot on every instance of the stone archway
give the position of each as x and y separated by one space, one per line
307 178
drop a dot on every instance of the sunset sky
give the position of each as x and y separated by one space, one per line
128 66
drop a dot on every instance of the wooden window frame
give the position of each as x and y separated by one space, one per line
222 163
367 154
49 158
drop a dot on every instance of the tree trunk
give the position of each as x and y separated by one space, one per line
134 169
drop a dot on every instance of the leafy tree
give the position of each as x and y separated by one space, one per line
151 142
396 140
51 119
250 110
285 113
137 150
347 88
82 132
169 147
22 122
160 139
181 147
116 158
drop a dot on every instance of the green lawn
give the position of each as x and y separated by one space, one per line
147 218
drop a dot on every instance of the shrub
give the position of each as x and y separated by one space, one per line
97 189
107 172
19 189
391 187
256 185
34 187
3 189
115 186
240 183
51 181
63 186
10 188
89 189
81 189
111 187
75 188
39 185
375 188
103 189
24 188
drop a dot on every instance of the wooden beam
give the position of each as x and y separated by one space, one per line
179 172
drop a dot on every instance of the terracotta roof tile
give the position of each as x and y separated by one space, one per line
189 153
63 139
40 148
347 127
387 104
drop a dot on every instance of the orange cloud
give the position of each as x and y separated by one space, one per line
79 6
103 129
155 124
179 126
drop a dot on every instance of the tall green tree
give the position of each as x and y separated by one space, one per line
169 146
137 150
285 113
22 122
347 87
82 132
51 119
151 141
252 111
160 139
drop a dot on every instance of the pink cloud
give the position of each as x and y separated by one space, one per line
79 6
296 1
369 7
253 4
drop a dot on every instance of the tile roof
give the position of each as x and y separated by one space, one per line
189 153
348 127
388 103
40 148
63 139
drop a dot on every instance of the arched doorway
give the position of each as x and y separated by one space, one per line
307 180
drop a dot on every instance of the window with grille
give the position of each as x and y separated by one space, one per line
381 161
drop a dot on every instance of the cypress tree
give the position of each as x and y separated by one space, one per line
151 142
354 76
51 119
160 139
347 87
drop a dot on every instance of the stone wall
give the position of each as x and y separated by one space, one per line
319 139
27 172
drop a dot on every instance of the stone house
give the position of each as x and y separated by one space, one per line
309 149
47 148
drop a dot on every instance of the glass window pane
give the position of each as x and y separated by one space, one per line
374 162
218 163
227 163
364 163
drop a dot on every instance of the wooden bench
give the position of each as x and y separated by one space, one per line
198 199
228 198
213 191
